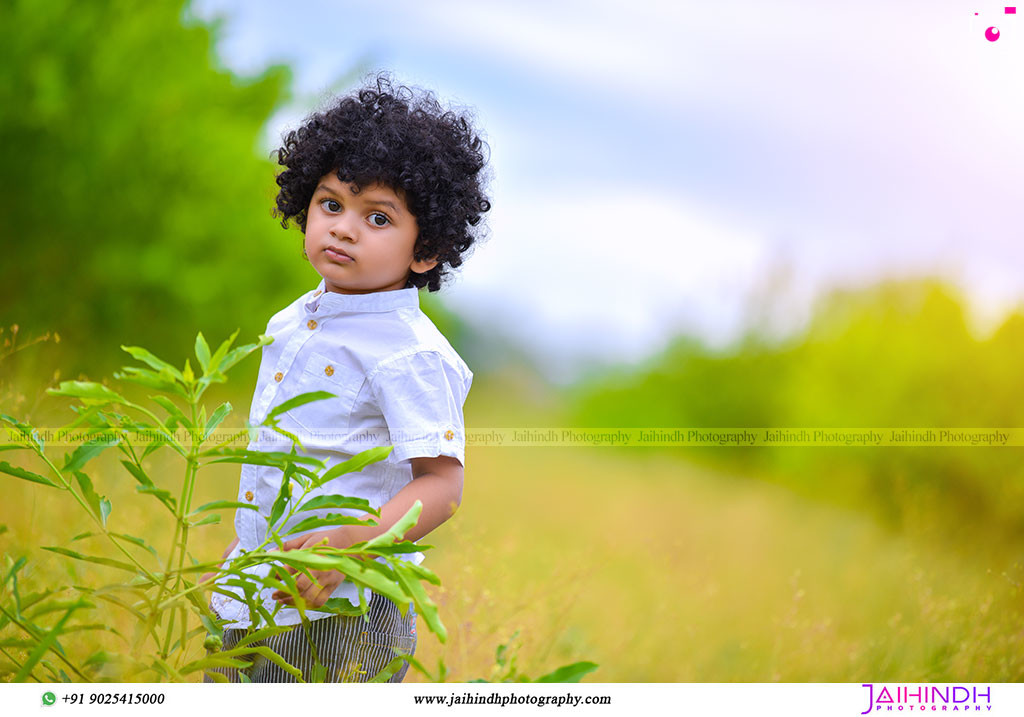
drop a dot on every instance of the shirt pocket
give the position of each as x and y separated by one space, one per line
330 415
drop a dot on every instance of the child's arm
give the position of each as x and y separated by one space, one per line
437 484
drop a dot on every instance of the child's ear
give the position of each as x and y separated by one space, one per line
421 266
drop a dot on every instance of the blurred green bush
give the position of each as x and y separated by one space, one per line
137 206
899 354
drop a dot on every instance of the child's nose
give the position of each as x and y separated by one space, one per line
345 227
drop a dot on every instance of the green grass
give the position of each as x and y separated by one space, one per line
660 572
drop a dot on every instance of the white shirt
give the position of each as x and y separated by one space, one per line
397 381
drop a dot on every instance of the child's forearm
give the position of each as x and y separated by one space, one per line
230 548
440 496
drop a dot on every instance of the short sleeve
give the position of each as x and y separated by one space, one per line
421 396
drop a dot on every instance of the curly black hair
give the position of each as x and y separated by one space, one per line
379 134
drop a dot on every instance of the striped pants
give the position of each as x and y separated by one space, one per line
352 649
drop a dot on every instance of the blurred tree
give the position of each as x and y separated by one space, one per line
895 355
136 206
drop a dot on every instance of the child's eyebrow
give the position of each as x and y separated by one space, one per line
379 202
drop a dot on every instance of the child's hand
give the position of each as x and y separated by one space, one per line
207 576
314 593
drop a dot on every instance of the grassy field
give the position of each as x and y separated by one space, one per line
657 570
660 572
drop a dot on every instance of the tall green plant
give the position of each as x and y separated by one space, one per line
161 593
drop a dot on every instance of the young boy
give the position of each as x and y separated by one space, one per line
388 192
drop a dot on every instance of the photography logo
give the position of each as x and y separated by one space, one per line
992 32
926 698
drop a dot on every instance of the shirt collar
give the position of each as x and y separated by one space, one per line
325 302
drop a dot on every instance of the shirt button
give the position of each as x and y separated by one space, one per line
329 370
318 293
448 435
248 495
278 376
311 324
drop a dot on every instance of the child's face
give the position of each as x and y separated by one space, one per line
374 228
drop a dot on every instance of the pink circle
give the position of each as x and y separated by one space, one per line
992 34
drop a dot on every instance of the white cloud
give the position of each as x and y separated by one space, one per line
608 270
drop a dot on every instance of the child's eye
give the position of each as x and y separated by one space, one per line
334 206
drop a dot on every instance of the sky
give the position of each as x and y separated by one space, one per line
665 168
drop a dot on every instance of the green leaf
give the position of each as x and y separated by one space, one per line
149 359
356 463
205 381
340 502
238 652
138 541
33 598
153 447
92 559
341 606
319 673
329 519
421 572
301 400
90 393
389 669
26 430
277 459
44 608
303 476
169 672
172 410
262 634
164 381
137 473
217 659
569 673
159 441
211 519
164 495
287 434
399 529
218 504
418 666
242 351
296 558
6 467
45 644
211 626
284 494
379 578
221 352
215 420
18 565
202 352
15 642
99 504
87 451
424 605
401 547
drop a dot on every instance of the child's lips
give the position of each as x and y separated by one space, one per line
339 256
